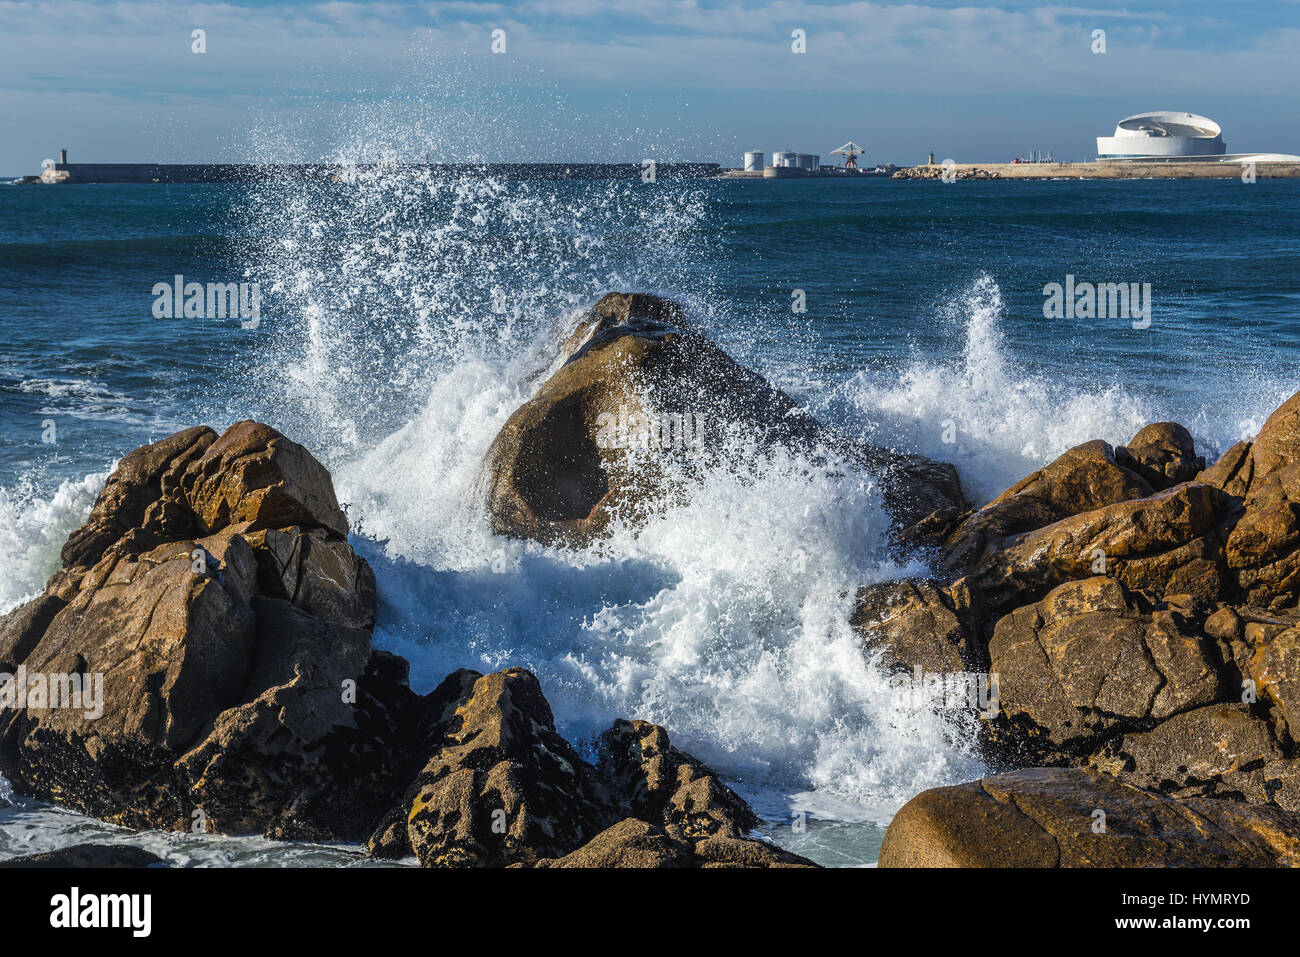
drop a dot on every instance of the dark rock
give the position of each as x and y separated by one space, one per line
90 855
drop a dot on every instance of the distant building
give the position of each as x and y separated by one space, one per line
1171 136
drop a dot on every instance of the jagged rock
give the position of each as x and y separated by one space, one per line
1163 454
90 855
641 402
1085 478
914 624
1275 670
1085 661
1218 750
142 504
501 787
239 691
1167 544
1263 548
1232 473
656 782
254 475
1049 817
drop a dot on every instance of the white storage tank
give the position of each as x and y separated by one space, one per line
783 158
754 161
808 161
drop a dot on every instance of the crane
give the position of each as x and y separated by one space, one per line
850 151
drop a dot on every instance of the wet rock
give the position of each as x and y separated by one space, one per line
1232 473
503 788
90 855
642 403
1163 454
656 782
1057 817
233 662
1167 544
1086 661
1085 478
914 624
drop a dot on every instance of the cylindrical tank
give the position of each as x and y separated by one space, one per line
754 161
783 158
807 161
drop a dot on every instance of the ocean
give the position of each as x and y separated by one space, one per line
403 318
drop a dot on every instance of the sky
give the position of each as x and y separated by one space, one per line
627 80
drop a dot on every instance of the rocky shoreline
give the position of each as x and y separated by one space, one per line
1130 614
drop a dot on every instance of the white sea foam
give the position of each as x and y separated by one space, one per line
32 531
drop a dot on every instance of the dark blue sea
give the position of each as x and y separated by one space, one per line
404 316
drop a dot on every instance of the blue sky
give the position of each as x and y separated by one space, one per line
589 80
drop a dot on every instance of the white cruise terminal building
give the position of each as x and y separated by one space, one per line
1175 137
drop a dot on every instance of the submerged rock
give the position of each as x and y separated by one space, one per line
90 855
642 402
1056 817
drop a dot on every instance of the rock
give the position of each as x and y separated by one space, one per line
629 843
1048 817
142 504
1169 543
503 788
1232 473
1220 750
90 855
1085 661
238 690
642 403
1085 478
1163 454
914 624
252 474
1275 670
656 782
1263 548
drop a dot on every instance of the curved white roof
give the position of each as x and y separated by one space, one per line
1168 123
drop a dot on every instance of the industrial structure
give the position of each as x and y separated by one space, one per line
850 151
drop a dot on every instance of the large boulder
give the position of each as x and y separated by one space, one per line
1086 661
1167 544
641 402
216 625
1057 817
1163 454
1084 478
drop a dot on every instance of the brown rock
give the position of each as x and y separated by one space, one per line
1085 661
1049 817
252 474
1163 454
914 624
1085 478
641 403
